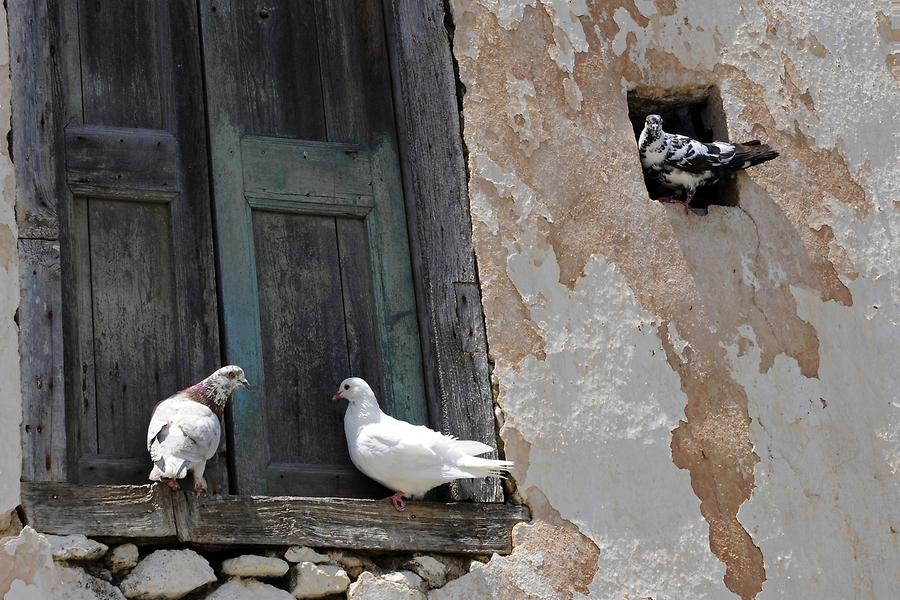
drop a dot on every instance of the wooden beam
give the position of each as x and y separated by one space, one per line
150 513
140 512
466 528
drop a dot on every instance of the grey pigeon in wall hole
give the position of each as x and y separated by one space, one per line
682 164
184 430
409 459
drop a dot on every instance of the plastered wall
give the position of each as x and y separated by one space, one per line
702 406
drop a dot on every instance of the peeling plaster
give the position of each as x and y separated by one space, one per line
825 509
743 285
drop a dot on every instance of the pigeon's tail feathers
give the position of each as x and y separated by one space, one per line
752 153
169 467
471 447
484 467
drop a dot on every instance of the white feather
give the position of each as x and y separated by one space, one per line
408 458
183 434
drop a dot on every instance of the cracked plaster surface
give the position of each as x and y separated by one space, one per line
640 351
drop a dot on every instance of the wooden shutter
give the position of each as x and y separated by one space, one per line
138 273
313 253
450 313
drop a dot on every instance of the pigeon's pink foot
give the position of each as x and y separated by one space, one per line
200 488
397 501
687 203
172 483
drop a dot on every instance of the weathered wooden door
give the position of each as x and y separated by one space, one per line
139 293
314 266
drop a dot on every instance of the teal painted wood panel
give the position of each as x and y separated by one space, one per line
314 268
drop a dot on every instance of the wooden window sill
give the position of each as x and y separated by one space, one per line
156 514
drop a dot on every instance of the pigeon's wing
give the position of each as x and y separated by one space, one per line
421 452
183 429
697 157
193 439
751 153
158 427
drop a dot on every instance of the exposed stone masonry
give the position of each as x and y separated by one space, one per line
85 569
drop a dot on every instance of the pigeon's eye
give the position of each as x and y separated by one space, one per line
232 375
346 387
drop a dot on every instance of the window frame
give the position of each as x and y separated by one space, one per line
450 314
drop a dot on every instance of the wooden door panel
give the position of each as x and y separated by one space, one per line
303 337
135 338
124 49
138 276
314 261
280 80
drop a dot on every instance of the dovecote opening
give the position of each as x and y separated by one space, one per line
696 113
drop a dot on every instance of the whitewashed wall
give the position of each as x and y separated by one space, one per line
705 402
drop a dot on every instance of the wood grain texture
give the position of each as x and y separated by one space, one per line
135 337
138 278
465 528
141 512
37 116
124 55
154 513
282 167
282 282
115 161
41 352
356 288
226 90
303 336
278 79
359 108
456 365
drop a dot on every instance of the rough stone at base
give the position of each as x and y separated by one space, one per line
169 574
369 587
248 589
407 578
251 565
123 557
78 585
75 547
309 580
352 563
430 569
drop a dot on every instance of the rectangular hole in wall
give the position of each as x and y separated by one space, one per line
696 113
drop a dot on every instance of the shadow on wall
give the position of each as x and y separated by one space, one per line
740 265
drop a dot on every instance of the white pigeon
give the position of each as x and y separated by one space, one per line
683 164
409 459
184 430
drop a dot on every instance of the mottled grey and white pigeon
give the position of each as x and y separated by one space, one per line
184 430
409 459
682 164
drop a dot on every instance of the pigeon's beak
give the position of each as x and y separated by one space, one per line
245 383
337 395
